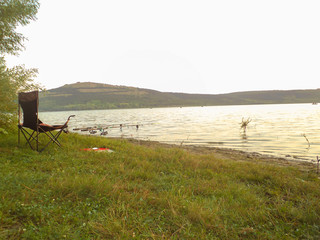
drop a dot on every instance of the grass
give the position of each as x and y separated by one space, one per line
140 192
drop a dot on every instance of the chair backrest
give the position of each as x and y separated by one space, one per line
29 102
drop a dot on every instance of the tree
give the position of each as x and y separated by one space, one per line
13 80
14 13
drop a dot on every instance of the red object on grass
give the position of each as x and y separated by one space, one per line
97 149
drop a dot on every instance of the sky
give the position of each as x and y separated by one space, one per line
191 46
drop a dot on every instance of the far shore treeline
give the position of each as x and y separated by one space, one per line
89 96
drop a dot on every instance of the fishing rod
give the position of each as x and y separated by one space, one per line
103 128
118 125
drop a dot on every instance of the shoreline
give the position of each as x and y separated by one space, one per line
228 153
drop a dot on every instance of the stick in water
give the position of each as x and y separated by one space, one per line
304 135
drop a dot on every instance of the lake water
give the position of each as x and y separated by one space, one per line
281 130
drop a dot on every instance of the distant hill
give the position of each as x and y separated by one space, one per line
87 96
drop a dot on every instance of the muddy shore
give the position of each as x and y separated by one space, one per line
236 155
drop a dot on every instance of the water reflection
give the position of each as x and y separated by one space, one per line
274 129
244 137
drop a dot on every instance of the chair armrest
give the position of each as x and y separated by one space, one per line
71 117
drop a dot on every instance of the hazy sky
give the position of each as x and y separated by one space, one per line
176 45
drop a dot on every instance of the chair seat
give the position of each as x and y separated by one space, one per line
45 127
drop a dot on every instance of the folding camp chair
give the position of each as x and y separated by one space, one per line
29 102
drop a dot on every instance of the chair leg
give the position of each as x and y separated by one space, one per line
29 139
37 137
53 139
19 135
56 137
34 136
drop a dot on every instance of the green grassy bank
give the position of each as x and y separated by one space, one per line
140 192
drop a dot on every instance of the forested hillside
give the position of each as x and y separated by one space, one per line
87 95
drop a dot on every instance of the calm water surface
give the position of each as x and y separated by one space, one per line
274 129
